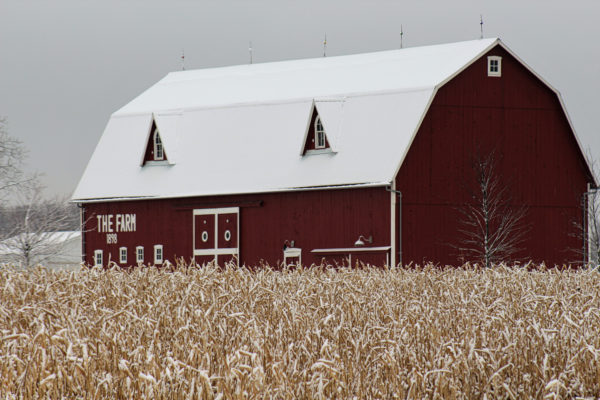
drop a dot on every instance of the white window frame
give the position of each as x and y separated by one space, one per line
98 256
139 254
123 255
491 70
159 150
159 255
319 134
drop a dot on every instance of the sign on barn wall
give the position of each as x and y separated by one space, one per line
113 223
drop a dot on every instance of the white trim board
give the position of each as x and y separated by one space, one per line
216 211
216 252
351 250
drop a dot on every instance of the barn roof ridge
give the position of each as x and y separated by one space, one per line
391 70
315 61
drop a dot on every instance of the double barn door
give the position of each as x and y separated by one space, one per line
216 235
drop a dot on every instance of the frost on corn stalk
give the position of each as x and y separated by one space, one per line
415 333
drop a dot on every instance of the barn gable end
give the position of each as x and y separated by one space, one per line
520 120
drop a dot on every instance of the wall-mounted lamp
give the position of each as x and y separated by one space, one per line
361 240
288 243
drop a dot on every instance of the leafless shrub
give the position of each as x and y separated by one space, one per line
38 227
233 333
589 231
594 227
12 157
492 229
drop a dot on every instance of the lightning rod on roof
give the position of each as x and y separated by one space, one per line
401 34
182 60
325 46
481 25
250 51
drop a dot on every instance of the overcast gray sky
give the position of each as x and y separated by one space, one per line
66 65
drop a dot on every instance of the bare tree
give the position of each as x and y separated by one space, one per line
491 228
40 228
12 157
30 225
589 231
594 226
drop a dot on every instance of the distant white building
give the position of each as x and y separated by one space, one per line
53 250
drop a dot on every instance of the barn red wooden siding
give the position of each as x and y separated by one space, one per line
518 118
313 219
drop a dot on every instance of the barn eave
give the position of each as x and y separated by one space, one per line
200 195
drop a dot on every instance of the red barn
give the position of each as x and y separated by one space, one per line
360 157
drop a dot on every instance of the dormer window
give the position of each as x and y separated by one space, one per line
316 140
155 153
494 66
319 134
158 147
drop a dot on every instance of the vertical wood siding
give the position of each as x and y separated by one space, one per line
313 219
519 119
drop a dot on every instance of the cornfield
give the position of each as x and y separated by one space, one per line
234 333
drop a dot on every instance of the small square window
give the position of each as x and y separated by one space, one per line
158 254
139 254
98 258
123 255
494 66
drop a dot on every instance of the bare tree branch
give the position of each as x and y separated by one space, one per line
589 230
12 157
31 227
491 228
39 228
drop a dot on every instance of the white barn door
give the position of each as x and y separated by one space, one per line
216 235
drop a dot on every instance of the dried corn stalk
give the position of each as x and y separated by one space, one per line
208 333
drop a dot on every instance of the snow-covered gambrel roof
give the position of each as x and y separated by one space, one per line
241 129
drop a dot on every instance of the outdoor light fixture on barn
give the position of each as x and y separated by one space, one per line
227 163
361 240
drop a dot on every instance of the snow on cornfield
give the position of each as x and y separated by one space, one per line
306 333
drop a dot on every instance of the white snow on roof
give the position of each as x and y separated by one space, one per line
241 129
396 70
